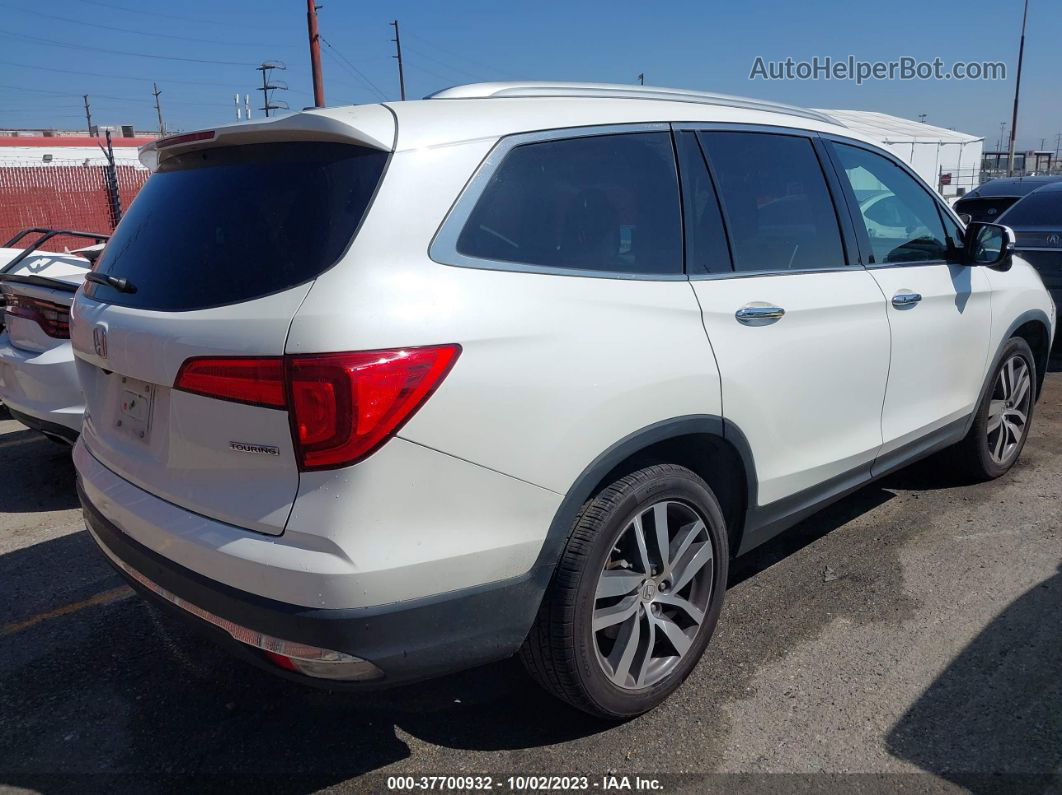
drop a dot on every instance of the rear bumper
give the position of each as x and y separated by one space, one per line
407 641
42 386
52 429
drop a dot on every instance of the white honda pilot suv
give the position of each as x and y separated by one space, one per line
376 393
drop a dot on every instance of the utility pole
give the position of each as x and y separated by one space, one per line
158 108
88 115
1017 89
268 84
110 182
641 79
922 117
315 54
398 48
1002 127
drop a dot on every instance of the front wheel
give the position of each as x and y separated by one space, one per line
1004 416
636 595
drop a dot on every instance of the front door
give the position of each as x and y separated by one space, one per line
939 312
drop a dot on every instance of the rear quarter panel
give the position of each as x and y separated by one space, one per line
554 369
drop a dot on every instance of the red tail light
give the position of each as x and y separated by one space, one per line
54 319
258 381
343 406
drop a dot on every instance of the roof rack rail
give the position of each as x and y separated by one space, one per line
46 234
620 91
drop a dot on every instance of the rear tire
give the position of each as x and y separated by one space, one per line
1001 424
622 623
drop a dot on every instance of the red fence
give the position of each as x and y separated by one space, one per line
62 195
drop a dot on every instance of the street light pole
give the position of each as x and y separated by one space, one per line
1017 89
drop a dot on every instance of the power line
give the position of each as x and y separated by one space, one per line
169 16
422 68
109 96
143 32
113 76
74 46
453 54
354 69
361 87
455 69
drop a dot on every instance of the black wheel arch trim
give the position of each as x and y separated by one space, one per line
1025 317
592 476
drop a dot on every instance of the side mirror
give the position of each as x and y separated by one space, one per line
965 218
988 244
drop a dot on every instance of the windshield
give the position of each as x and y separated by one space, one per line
229 224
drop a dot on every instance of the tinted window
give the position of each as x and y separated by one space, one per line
706 246
778 208
602 203
908 228
1036 209
230 224
987 209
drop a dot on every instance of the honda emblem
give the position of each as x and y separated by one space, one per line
99 341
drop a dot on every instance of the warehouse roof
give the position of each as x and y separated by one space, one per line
894 129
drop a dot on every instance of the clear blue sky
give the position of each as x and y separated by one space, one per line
706 45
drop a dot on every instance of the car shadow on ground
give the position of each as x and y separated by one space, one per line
36 474
998 706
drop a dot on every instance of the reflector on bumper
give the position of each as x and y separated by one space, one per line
300 657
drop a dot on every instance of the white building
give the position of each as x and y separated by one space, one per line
39 150
949 161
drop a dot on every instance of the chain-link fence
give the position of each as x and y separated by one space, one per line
959 181
64 195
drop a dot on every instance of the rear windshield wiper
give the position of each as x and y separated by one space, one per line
119 283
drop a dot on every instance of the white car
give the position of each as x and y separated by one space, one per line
386 391
38 378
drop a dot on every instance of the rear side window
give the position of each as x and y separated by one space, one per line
778 208
230 224
607 203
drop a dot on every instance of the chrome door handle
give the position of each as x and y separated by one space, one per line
906 298
759 314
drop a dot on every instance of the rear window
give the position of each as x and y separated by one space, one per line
1036 209
987 209
230 224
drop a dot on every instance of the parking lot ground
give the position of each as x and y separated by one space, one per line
907 638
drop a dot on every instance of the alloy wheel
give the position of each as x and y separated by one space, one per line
652 594
1008 410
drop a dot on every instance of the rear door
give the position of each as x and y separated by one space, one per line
940 312
800 334
220 248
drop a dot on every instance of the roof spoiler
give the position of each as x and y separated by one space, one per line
366 125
